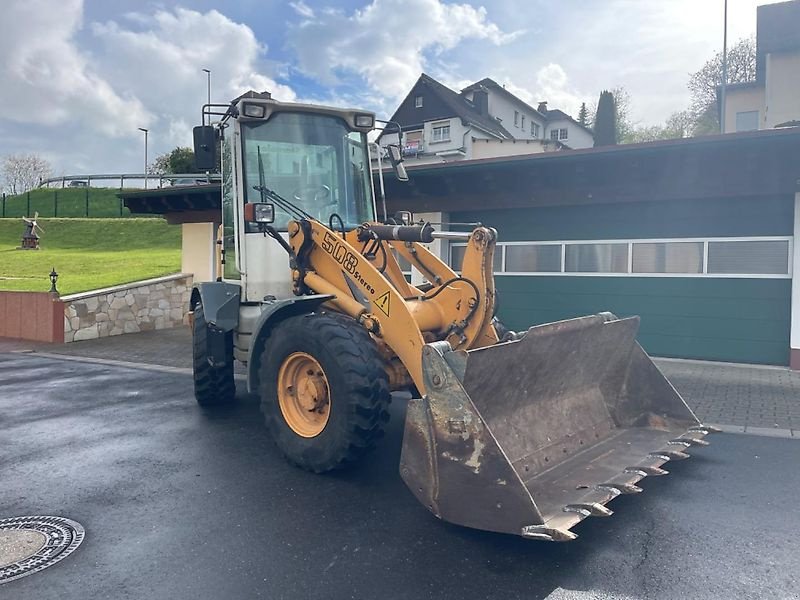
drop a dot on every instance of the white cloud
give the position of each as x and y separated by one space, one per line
44 78
302 9
386 42
143 70
162 60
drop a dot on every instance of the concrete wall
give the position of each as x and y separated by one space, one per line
743 100
35 316
198 250
782 88
141 306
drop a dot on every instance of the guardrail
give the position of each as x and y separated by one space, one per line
122 177
63 197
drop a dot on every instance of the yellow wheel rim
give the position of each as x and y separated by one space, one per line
304 394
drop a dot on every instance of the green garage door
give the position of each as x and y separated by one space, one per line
735 305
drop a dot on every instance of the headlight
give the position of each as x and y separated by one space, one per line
256 111
365 121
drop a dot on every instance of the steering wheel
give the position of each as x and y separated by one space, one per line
320 194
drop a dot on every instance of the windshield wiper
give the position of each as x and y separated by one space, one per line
269 194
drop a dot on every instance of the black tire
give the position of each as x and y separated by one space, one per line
213 386
357 384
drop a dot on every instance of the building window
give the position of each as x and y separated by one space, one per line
544 258
522 124
418 102
596 258
755 257
747 121
516 118
562 134
667 257
441 132
745 258
534 129
554 134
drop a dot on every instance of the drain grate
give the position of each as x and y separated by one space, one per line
30 544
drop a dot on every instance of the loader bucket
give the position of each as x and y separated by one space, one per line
532 436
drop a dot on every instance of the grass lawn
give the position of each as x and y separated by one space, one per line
88 253
66 202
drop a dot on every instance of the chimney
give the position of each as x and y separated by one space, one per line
542 107
480 98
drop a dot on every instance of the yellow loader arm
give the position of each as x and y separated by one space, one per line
360 269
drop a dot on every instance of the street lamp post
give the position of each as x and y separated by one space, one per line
208 86
145 155
724 86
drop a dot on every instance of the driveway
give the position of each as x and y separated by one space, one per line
182 503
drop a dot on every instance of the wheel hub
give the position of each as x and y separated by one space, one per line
303 394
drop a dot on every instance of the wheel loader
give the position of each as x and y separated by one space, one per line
523 433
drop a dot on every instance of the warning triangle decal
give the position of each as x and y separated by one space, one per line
383 303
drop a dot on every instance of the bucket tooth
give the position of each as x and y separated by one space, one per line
659 456
547 534
620 488
589 509
705 429
693 441
674 454
644 471
680 442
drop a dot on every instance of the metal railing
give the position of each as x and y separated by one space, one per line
49 199
122 177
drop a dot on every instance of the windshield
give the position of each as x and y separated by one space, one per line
313 161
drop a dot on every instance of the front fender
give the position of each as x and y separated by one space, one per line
274 312
220 303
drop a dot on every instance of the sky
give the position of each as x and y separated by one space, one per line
78 78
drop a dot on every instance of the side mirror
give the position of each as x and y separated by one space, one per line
396 158
261 213
205 148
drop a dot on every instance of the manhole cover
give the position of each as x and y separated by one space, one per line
30 544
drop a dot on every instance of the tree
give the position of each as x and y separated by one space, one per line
622 114
180 160
583 115
704 83
622 111
23 172
605 122
678 125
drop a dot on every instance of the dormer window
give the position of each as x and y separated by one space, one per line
418 102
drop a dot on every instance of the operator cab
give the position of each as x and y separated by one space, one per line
294 156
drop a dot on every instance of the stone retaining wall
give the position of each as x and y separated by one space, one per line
141 306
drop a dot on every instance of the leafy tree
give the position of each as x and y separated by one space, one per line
583 115
180 160
679 125
22 172
605 121
704 83
622 111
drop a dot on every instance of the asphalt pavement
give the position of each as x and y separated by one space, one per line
178 502
762 400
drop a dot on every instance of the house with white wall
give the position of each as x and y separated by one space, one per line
481 121
773 99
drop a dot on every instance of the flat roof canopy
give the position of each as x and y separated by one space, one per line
756 163
179 203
